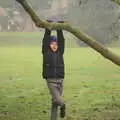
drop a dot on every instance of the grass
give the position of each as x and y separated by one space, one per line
31 39
91 86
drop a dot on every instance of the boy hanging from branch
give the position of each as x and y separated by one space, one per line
53 69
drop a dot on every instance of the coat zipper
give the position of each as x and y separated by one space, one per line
55 65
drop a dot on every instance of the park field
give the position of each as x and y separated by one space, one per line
91 85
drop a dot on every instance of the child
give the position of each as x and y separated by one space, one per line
53 69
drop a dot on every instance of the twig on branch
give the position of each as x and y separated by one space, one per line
66 26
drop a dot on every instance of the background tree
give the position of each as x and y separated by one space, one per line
94 17
6 3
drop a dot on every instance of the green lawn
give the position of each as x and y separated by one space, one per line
91 87
31 39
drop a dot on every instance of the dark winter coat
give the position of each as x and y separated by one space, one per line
53 62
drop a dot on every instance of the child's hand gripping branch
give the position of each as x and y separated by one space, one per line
53 68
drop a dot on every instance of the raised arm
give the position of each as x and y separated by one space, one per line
61 41
45 42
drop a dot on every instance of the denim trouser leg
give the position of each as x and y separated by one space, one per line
54 111
56 92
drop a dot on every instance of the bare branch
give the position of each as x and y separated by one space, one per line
116 1
79 34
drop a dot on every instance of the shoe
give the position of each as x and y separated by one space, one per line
62 111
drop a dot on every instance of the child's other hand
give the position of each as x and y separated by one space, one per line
61 21
50 21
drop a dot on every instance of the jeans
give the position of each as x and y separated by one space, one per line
56 90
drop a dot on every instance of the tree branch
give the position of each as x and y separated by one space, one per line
79 34
116 1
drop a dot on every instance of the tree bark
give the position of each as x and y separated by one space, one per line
79 34
117 1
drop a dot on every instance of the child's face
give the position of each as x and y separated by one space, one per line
54 46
